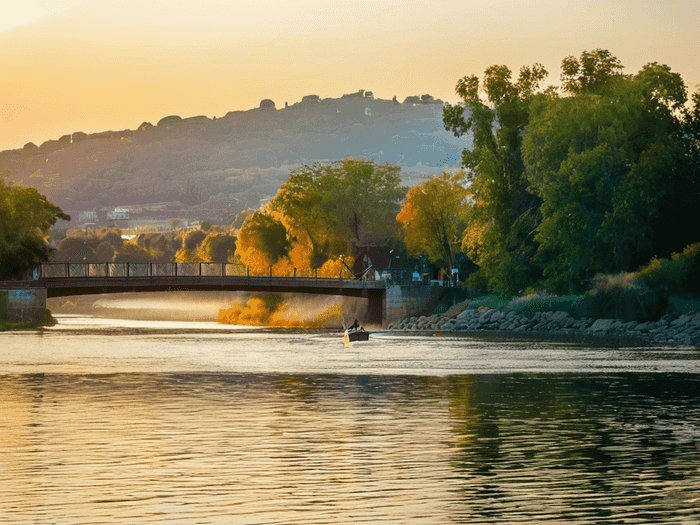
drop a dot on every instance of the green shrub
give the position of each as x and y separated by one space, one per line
683 305
477 282
691 267
623 296
680 274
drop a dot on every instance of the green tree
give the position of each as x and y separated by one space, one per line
333 207
25 218
434 217
591 73
77 249
608 164
500 234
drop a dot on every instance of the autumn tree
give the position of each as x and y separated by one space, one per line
263 241
219 247
433 218
190 244
330 208
25 218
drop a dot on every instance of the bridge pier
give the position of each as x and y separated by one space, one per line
23 304
409 301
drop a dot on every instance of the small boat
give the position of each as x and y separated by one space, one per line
355 332
350 336
357 335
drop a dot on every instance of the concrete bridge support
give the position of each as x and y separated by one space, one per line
23 305
410 301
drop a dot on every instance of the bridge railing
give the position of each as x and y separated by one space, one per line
197 269
388 276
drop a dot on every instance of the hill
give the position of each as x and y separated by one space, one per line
212 168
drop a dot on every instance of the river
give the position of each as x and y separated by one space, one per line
118 421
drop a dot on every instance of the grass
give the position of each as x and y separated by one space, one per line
576 305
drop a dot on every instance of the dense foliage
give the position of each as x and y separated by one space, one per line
25 218
499 235
328 209
599 179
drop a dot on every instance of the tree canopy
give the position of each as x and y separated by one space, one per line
330 208
25 218
263 242
499 235
603 178
610 167
434 217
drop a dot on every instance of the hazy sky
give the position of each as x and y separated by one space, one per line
97 65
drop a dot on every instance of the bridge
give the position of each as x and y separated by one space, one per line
391 293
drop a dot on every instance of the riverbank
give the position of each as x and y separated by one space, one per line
681 330
6 326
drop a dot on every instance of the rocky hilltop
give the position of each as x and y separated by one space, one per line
220 166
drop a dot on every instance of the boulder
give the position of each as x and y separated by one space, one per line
602 325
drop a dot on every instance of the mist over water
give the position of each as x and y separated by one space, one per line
266 309
294 311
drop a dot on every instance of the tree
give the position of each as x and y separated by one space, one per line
77 249
190 244
500 234
25 218
218 247
591 73
610 167
331 208
434 217
263 241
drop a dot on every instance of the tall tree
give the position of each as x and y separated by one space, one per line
499 236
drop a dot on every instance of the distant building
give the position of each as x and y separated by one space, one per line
119 214
87 216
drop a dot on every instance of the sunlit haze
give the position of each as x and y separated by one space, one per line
90 66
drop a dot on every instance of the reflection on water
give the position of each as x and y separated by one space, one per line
334 448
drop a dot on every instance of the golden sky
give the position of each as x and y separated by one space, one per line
97 65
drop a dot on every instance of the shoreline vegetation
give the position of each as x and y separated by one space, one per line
657 305
7 326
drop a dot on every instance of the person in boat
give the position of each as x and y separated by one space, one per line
356 326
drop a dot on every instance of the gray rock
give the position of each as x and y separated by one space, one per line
602 325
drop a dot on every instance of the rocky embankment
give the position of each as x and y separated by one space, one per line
683 330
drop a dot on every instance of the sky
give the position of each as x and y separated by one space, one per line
98 65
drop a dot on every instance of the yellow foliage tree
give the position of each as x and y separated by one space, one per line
434 217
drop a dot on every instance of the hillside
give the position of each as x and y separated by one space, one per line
212 168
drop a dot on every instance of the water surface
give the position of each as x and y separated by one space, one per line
115 422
